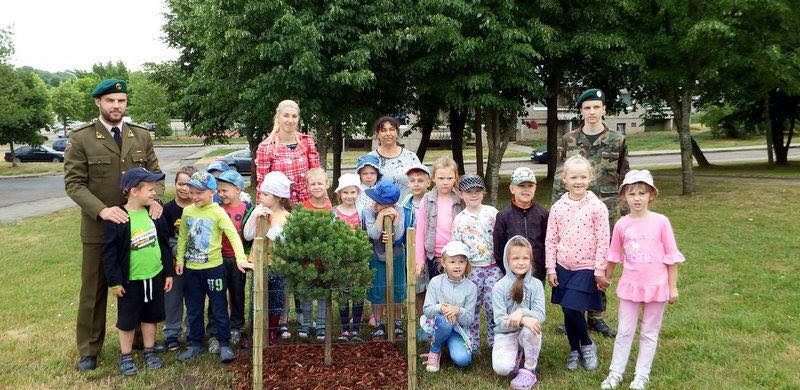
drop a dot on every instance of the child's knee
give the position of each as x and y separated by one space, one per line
503 367
462 359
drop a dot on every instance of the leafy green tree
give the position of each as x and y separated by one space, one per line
323 259
24 107
6 45
110 70
149 103
67 101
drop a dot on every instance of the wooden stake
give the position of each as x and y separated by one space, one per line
389 229
411 307
260 264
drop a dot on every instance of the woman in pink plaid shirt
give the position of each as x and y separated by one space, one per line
287 150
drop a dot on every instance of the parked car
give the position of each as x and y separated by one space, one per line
60 144
540 156
240 160
35 153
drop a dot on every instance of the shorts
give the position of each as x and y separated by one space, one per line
132 308
377 293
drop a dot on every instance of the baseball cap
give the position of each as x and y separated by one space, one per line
132 177
218 165
232 177
203 181
522 175
348 180
455 248
471 181
277 184
638 176
385 192
418 167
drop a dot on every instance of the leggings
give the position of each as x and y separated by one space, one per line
577 332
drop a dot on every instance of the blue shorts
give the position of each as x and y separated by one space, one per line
377 293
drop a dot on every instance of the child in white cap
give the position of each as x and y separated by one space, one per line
346 192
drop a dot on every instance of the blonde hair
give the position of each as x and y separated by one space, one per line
622 199
518 287
576 162
444 162
314 173
282 106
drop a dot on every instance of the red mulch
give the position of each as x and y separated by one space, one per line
366 366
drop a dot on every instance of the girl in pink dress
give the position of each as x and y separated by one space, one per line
644 243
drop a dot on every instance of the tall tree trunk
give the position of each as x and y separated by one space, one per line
329 333
13 155
323 144
427 119
457 121
682 110
698 155
768 132
476 128
337 140
498 133
553 84
252 143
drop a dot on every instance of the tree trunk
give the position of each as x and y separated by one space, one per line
457 121
553 88
768 132
682 110
426 121
337 140
323 144
476 127
252 143
498 133
698 155
329 333
13 156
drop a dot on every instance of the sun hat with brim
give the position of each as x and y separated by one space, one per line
455 248
132 177
276 183
385 192
203 181
368 160
348 180
638 176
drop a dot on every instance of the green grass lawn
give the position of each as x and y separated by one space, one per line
736 325
30 168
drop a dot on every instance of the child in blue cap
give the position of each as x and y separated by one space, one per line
368 171
385 195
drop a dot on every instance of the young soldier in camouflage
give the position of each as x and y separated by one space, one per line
606 150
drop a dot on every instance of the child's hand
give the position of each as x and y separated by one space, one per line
420 268
673 295
243 267
155 209
552 280
515 319
179 269
602 282
450 312
261 211
532 324
167 284
117 291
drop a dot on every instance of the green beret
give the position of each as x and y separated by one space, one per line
590 94
110 86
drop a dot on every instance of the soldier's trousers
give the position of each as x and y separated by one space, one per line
91 324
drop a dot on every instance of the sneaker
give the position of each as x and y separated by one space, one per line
589 357
600 326
399 332
190 353
320 333
86 363
611 381
572 360
160 347
355 337
226 354
213 345
432 365
151 360
126 365
561 329
236 336
344 337
172 344
524 380
283 329
639 383
379 334
303 332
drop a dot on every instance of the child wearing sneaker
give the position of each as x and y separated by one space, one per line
474 226
644 243
274 196
384 197
575 249
138 267
200 255
347 192
518 300
418 177
450 302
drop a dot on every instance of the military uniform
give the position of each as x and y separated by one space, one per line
93 165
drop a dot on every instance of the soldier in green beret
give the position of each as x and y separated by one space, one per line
95 157
606 150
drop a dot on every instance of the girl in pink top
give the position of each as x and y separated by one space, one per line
576 245
644 243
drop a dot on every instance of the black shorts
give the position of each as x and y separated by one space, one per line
132 308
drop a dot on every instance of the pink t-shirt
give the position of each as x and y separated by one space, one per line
577 235
444 227
354 219
236 214
645 246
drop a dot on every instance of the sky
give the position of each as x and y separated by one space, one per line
59 35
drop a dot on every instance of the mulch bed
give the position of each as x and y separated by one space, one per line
366 366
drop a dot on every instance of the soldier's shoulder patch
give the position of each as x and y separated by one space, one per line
136 125
83 126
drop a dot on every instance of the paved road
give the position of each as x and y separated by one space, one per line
32 196
26 197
